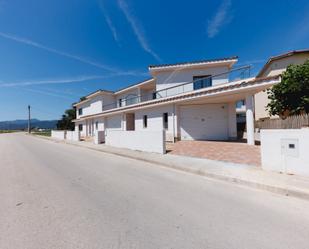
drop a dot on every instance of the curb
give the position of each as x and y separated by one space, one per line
256 185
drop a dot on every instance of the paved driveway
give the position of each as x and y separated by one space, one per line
235 152
59 196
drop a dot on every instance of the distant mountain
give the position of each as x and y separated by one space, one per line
21 124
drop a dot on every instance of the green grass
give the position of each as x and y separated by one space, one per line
42 133
7 131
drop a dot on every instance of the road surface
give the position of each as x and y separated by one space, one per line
59 196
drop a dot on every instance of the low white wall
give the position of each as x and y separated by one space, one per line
286 150
58 134
149 141
99 137
73 135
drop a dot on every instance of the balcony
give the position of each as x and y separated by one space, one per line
197 84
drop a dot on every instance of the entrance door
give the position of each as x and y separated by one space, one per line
130 121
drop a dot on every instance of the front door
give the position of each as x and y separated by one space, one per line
130 121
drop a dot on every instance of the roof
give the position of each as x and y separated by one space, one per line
93 94
280 56
219 89
135 84
189 63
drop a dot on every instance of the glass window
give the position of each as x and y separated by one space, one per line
80 111
80 127
96 125
202 81
165 120
145 121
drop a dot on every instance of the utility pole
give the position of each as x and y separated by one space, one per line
29 122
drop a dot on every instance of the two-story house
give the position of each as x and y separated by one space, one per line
190 101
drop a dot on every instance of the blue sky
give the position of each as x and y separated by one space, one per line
53 52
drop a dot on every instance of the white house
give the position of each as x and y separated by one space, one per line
190 101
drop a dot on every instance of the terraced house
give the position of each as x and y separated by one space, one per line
188 101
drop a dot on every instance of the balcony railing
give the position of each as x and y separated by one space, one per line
233 75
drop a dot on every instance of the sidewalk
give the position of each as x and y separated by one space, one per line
247 175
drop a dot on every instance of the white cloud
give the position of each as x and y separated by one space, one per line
220 18
137 28
55 51
109 22
51 81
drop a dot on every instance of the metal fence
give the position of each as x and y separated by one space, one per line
292 122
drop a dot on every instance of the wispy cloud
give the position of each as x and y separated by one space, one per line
137 28
55 51
51 81
220 18
109 22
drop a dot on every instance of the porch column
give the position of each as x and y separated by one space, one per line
232 122
250 120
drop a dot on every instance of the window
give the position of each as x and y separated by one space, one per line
165 120
132 99
80 127
96 125
145 121
119 102
202 81
80 111
154 95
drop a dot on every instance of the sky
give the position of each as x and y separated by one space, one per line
52 52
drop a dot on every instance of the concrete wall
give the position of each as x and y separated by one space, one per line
174 78
286 150
148 141
93 106
155 120
73 135
58 134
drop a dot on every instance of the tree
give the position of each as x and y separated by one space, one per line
291 95
65 123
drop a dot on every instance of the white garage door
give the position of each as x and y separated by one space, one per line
114 122
204 122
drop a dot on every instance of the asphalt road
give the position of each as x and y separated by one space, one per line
61 196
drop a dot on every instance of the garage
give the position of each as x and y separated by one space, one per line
204 122
114 122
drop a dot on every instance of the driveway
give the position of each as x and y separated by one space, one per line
235 152
55 195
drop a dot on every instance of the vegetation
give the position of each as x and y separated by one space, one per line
65 123
46 133
7 131
291 95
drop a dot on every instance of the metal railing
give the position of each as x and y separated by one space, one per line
241 73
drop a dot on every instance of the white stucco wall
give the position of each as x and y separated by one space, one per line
93 106
276 154
174 78
155 120
61 135
149 141
73 135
